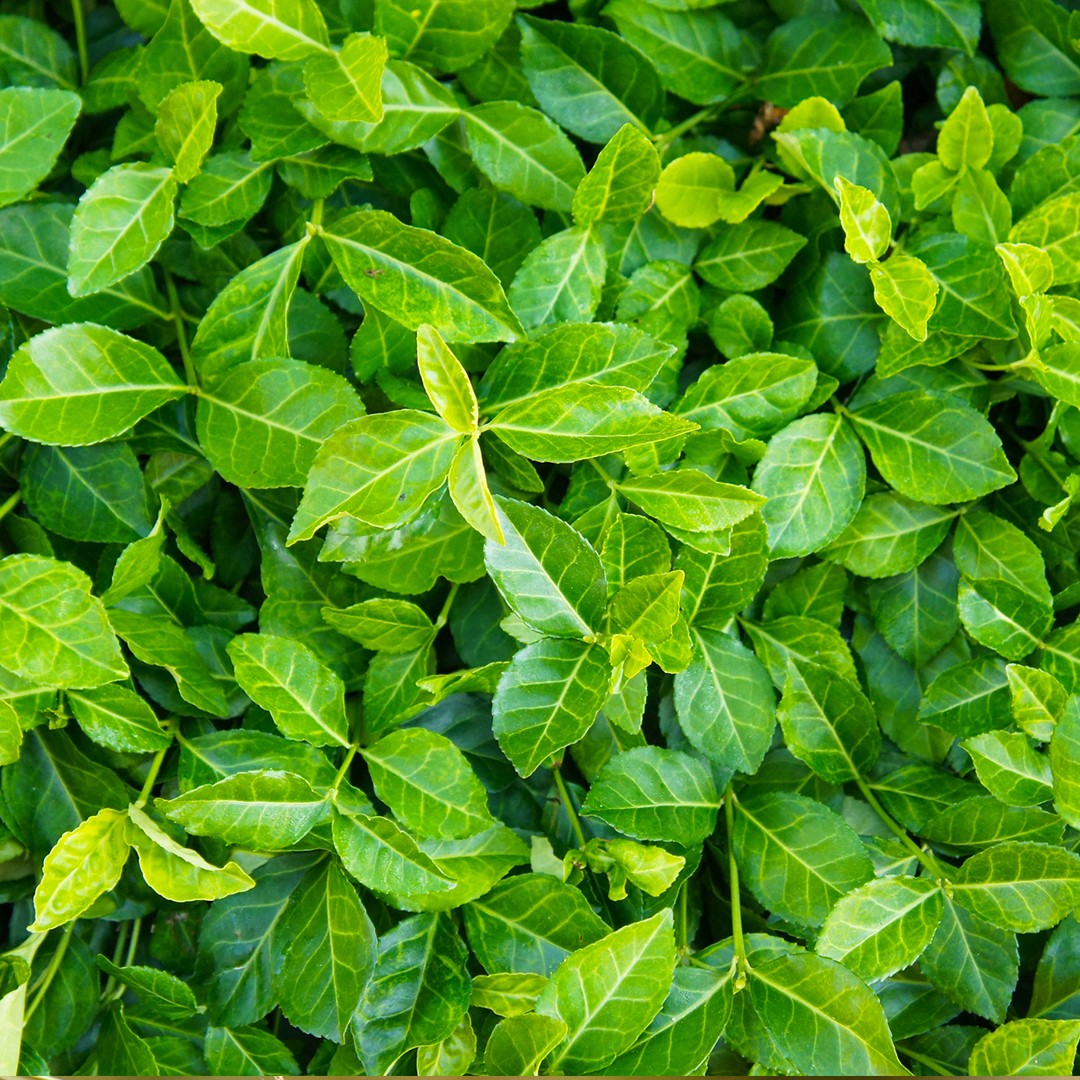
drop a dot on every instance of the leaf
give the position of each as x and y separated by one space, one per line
247 1051
828 722
416 277
265 809
380 469
883 926
518 1045
444 34
1064 751
523 153
588 79
418 993
813 475
907 292
84 863
171 997
81 383
177 872
330 954
576 422
932 447
546 572
116 717
382 624
428 784
619 187
654 794
55 632
37 122
508 993
951 24
346 86
121 221
801 992
185 125
384 857
1010 768
548 698
530 923
866 223
621 979
560 280
288 30
1019 886
1055 987
748 256
228 191
469 490
304 696
1026 1048
797 856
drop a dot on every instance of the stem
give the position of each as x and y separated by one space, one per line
50 972
740 963
80 38
568 802
344 767
666 138
925 858
133 943
684 929
151 776
5 439
317 212
118 951
444 612
177 315
9 504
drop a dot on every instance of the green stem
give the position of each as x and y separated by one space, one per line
740 963
118 951
80 38
133 943
316 213
9 504
684 921
344 767
568 802
177 314
5 439
925 858
666 138
151 776
50 972
444 611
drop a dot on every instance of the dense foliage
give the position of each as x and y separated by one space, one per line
540 540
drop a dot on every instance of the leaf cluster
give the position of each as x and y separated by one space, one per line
539 539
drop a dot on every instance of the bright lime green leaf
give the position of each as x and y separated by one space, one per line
274 29
621 183
907 292
1064 759
185 124
966 139
36 124
446 381
689 186
866 222
1027 1048
347 85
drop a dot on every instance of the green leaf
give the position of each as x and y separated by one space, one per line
607 992
416 277
185 124
813 475
932 447
1064 755
116 717
1037 700
507 993
1052 227
82 383
828 722
384 857
907 292
748 256
548 698
330 953
583 421
950 24
588 79
690 500
84 863
866 223
546 572
121 221
883 926
518 1045
263 423
654 794
725 702
1010 768
619 187
170 997
1020 886
443 34
428 784
304 696
229 190
530 923
1026 1048
177 872
265 809
797 856
827 55
446 381
346 86
1057 978
560 280
418 993
822 1018
37 122
524 154
380 469
247 1051
54 632
383 624
968 699
284 30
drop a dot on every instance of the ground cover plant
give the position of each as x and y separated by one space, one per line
539 539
